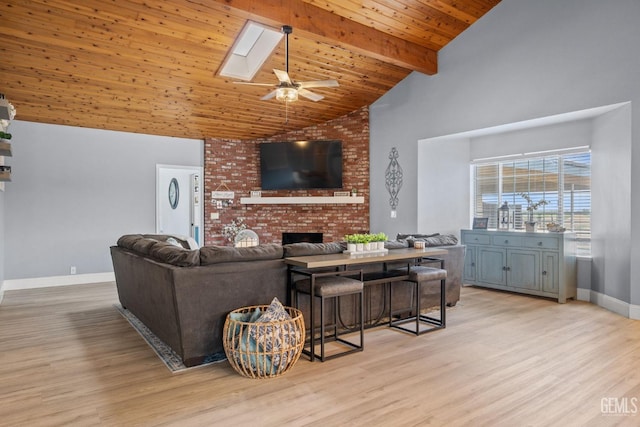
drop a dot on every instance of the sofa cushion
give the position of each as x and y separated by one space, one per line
439 240
175 255
144 245
218 254
305 249
396 244
128 240
401 236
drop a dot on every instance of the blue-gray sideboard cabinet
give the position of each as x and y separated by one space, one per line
541 263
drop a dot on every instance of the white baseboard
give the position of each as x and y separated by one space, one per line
622 308
46 282
634 312
584 295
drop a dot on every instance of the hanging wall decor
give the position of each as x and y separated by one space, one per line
222 196
393 179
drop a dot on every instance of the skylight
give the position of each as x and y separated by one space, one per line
250 50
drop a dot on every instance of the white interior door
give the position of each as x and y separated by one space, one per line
178 201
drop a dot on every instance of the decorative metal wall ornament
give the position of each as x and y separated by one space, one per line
393 178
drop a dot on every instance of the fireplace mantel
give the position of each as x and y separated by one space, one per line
307 200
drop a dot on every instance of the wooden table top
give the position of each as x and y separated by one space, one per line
336 260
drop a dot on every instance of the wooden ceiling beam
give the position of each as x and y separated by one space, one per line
315 22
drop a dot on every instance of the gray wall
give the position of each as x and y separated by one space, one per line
611 194
2 215
524 60
439 212
74 191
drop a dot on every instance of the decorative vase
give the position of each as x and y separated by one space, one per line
367 247
351 247
530 227
360 247
380 246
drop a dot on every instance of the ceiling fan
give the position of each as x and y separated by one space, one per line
287 90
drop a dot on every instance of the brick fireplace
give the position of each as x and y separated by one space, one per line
235 164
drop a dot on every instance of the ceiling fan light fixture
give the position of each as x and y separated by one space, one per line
286 94
288 90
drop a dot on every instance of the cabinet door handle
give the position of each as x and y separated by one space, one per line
544 273
473 264
508 268
539 243
506 242
504 268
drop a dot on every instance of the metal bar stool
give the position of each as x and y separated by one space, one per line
419 274
331 285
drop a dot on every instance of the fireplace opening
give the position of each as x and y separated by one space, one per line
301 237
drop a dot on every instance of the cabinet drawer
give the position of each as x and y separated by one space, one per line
507 241
541 242
476 239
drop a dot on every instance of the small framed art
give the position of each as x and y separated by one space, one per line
480 223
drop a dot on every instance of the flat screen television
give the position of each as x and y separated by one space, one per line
299 165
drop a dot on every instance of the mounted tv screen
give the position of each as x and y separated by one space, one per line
301 165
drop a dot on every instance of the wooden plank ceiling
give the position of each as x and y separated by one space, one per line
150 66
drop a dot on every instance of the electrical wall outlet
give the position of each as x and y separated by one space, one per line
215 215
73 269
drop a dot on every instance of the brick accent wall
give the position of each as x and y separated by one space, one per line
236 165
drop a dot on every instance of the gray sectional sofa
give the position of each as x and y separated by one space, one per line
183 295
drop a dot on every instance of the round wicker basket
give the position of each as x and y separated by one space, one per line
263 349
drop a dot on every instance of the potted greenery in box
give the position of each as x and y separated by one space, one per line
355 242
365 242
351 242
530 224
379 239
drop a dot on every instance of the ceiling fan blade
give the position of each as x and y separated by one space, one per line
254 84
319 83
269 95
283 76
310 95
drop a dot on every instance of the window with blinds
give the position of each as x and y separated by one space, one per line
563 181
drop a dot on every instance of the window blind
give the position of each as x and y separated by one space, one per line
562 181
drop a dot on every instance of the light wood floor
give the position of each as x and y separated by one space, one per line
69 358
